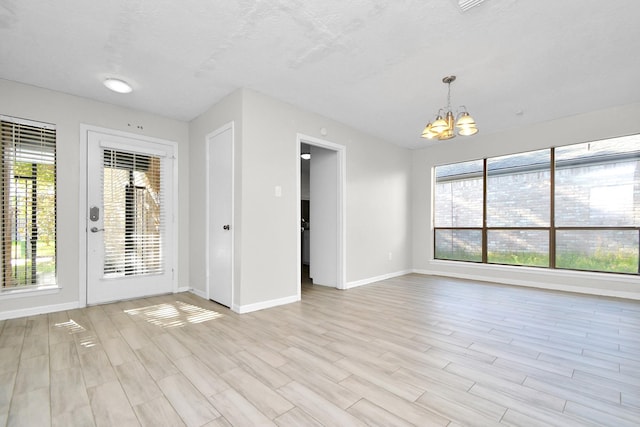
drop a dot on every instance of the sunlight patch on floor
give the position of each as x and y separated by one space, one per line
71 326
168 315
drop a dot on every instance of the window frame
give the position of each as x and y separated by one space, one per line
552 229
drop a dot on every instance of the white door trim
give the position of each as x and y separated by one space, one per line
83 208
341 251
208 141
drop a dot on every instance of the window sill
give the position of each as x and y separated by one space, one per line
29 292
595 283
541 271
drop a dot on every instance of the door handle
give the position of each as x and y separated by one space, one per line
96 229
226 227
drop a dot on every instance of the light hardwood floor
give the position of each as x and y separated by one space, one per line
414 350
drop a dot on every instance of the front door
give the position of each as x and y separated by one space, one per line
129 217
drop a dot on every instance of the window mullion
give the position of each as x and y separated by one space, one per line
552 210
484 211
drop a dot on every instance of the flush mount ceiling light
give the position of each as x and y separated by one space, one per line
306 156
443 127
117 85
468 4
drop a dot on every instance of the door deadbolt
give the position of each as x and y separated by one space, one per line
94 213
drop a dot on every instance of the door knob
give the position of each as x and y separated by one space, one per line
226 227
96 229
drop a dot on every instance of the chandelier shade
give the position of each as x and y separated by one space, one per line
466 125
443 128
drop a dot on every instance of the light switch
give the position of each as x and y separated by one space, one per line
278 191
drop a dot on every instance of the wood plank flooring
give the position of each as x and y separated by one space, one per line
413 350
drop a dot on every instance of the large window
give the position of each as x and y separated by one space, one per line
458 211
575 207
28 198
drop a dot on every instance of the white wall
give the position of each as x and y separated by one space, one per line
267 227
378 209
378 214
625 120
67 112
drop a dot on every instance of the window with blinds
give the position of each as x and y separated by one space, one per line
134 218
28 212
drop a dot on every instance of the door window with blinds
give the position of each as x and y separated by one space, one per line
28 211
133 214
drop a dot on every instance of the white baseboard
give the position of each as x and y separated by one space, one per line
198 292
264 304
549 285
362 282
34 311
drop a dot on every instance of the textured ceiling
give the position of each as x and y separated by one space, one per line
376 65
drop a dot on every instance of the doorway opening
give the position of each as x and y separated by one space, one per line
305 217
321 183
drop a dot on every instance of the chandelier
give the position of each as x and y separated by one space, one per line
443 126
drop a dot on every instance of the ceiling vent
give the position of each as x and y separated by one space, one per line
468 4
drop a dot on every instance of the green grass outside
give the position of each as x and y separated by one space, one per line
45 249
459 256
22 273
614 263
526 258
605 262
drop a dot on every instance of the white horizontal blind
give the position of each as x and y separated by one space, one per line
28 211
134 214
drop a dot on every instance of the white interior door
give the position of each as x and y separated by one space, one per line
323 207
129 217
220 216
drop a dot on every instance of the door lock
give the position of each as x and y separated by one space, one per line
94 213
226 227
